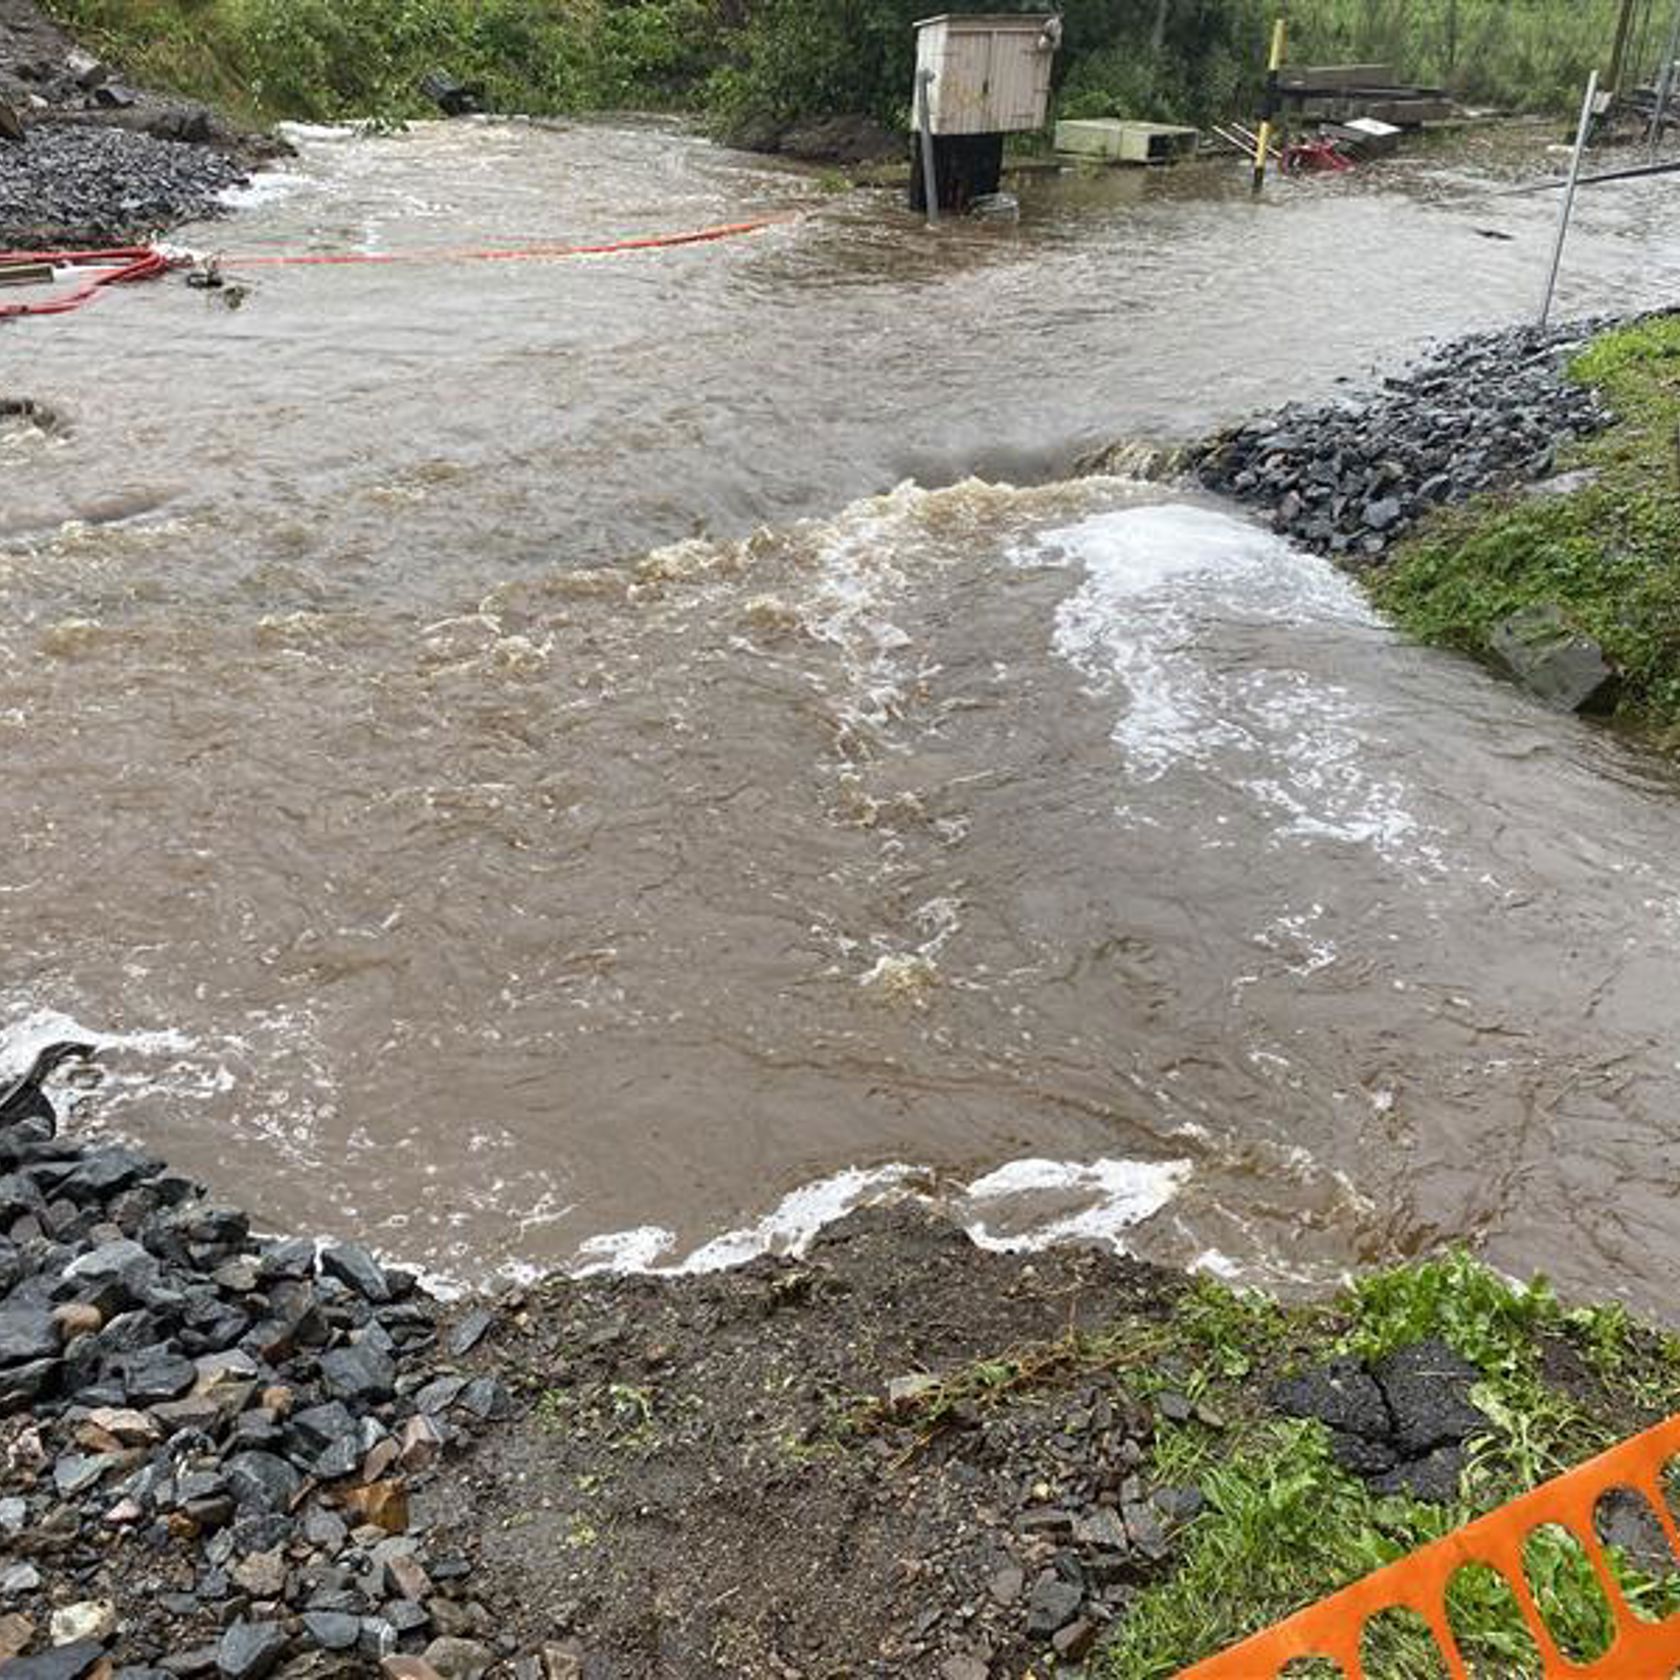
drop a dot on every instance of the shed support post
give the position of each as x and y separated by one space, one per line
930 176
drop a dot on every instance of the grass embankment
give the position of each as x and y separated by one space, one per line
1607 553
749 62
1284 1526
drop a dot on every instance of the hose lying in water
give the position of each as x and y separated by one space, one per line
118 267
130 263
516 253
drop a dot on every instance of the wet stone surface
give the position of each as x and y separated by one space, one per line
100 186
1350 479
208 1443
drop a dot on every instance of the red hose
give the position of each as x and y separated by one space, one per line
517 253
117 267
125 264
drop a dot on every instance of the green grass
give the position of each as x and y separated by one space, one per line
1284 1527
336 59
1608 554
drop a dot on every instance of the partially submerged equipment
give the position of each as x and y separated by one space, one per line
454 98
979 76
95 270
13 273
25 1098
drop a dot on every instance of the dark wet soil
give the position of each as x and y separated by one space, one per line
755 1473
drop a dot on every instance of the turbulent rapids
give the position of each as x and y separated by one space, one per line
509 775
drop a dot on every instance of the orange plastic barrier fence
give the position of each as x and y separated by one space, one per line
1334 1627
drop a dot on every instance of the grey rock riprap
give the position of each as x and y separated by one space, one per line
105 186
207 1441
1547 654
1349 479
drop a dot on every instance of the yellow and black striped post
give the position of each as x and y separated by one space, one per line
1274 103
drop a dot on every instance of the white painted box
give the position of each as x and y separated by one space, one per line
990 71
1125 142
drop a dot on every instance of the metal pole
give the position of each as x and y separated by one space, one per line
1280 36
1665 84
930 181
1569 195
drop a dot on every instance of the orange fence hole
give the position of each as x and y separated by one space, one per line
1397 1645
1572 1603
1639 1554
1671 1487
1480 1598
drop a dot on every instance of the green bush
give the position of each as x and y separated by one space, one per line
756 61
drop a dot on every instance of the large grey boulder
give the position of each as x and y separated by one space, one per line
1549 656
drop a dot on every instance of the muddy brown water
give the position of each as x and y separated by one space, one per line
513 769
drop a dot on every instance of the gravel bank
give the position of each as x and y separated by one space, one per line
88 159
210 1442
1350 479
89 187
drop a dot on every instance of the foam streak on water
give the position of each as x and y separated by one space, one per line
1164 588
509 737
1022 1206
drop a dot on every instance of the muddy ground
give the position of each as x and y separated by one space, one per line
751 1474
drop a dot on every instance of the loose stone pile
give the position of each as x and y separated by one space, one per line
1349 479
1082 1527
104 186
209 1441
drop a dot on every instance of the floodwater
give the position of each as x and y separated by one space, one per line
592 761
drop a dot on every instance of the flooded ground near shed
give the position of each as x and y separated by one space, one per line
610 760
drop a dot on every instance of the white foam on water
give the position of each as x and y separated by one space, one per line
301 133
266 186
851 605
1116 1195
640 1249
798 1217
32 1028
1167 591
35 1028
1002 1210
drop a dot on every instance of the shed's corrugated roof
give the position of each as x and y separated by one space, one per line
991 20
